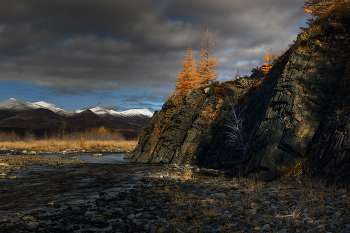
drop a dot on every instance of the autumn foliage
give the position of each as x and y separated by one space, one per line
102 130
269 58
188 76
317 8
201 74
207 61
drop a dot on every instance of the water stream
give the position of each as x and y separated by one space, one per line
39 185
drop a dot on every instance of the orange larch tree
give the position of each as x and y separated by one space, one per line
268 59
318 7
207 61
188 78
282 52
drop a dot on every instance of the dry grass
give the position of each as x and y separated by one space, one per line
54 144
211 213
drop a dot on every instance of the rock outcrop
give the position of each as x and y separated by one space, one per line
294 102
186 124
299 112
331 160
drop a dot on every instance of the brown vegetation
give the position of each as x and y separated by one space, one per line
188 76
317 8
269 58
61 140
207 61
58 145
202 76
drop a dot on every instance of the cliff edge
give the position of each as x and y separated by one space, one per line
186 124
298 113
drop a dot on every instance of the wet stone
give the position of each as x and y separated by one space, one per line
32 225
97 219
125 203
196 205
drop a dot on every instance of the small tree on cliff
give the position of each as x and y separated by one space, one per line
207 61
318 7
188 76
268 59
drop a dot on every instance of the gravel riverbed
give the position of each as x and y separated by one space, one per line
181 201
12 163
20 159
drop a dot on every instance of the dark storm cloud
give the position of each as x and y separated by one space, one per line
85 45
110 107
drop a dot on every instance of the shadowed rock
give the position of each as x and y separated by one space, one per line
300 111
186 124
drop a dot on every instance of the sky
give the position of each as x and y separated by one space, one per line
122 54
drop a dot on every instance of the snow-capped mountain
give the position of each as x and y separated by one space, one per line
52 107
135 112
20 105
41 116
17 105
128 113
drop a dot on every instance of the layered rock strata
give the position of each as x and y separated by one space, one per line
186 124
299 113
331 160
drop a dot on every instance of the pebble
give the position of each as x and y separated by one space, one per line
12 163
32 225
218 195
169 202
125 203
97 219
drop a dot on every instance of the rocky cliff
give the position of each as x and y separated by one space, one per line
187 124
331 159
299 112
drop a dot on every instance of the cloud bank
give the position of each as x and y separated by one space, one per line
86 45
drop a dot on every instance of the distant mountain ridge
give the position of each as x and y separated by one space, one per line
126 113
14 104
19 114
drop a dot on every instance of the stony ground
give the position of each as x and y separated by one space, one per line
177 201
21 159
32 151
10 163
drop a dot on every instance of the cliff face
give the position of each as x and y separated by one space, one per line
302 87
305 86
331 160
186 124
299 112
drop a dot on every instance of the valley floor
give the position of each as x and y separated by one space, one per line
65 146
183 201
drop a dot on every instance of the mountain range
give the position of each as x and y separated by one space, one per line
21 115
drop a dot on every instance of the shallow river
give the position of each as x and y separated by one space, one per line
39 185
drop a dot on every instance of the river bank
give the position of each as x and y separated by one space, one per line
66 194
65 147
184 201
13 159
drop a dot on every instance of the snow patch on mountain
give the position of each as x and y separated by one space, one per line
128 113
135 112
20 105
17 105
53 108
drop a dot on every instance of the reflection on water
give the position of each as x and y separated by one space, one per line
106 158
75 183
